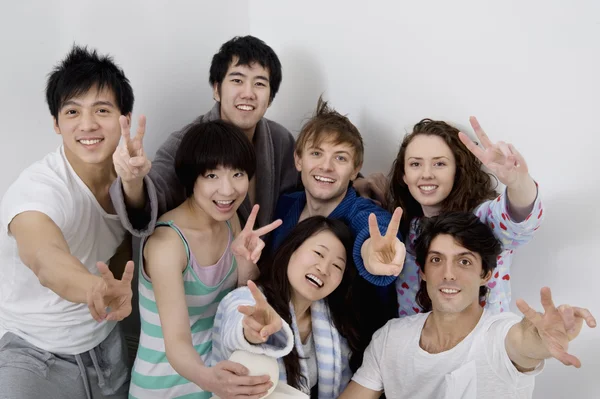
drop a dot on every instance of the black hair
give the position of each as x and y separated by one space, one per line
469 232
81 70
206 146
248 50
277 289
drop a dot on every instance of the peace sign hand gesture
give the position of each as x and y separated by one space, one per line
501 158
131 163
384 255
557 327
261 320
248 244
111 293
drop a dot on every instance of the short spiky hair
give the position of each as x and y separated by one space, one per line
327 124
469 232
208 145
247 49
81 70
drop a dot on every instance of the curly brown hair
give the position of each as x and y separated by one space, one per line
471 186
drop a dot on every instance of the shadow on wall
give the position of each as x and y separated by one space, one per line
302 83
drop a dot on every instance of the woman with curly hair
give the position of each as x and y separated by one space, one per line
438 169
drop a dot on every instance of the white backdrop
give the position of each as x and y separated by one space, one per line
527 70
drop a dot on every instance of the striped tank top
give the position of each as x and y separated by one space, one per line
152 375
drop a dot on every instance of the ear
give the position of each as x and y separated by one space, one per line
298 162
404 179
216 92
56 128
488 276
422 275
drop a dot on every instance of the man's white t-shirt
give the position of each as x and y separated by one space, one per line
478 367
28 309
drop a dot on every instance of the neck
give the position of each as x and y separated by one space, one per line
97 177
248 132
431 210
198 216
301 307
315 207
443 331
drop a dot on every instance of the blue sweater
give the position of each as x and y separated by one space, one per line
353 210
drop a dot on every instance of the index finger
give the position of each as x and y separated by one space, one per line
394 225
485 140
268 228
128 273
373 226
105 272
259 298
471 146
251 218
546 299
141 128
125 132
530 314
585 314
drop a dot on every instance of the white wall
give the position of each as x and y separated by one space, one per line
529 70
164 48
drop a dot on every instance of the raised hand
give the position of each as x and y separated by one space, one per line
261 320
501 158
556 327
112 294
230 380
130 160
384 255
248 243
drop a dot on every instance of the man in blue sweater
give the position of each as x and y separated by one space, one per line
329 154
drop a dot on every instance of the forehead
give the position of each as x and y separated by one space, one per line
252 69
328 239
446 245
91 97
329 141
428 146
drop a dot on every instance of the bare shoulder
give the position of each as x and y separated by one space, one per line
164 248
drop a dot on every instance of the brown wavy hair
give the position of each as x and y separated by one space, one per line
471 186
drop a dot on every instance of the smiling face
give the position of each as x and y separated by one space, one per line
453 276
220 192
89 126
316 268
244 95
429 170
326 169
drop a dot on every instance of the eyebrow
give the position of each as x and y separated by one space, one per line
95 104
236 73
419 158
339 257
465 253
313 147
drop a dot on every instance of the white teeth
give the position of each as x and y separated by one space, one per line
315 279
245 107
449 291
324 179
90 142
428 188
224 202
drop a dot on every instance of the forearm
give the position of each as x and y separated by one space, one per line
521 196
134 194
524 346
64 274
186 361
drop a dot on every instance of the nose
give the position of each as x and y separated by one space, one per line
248 90
226 188
323 267
449 274
327 164
87 122
427 172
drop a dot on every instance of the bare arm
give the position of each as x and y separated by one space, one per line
357 391
44 250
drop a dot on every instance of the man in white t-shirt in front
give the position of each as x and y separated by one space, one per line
59 301
457 349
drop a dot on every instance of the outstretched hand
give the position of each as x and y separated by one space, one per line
384 254
112 294
248 243
129 158
261 320
501 158
556 327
